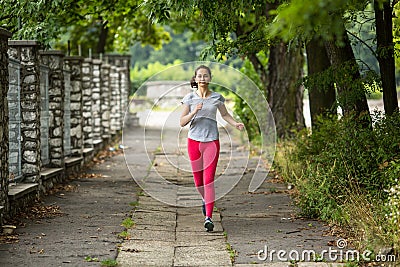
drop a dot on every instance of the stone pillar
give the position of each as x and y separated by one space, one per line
115 101
87 73
54 60
105 101
67 111
27 53
4 35
123 63
124 93
74 65
96 100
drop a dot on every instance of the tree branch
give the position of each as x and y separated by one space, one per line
364 43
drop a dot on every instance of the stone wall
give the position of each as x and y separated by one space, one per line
74 65
67 112
63 109
96 100
105 101
14 123
87 72
27 53
122 62
4 35
54 60
115 101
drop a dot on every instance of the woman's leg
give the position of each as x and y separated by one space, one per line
210 154
196 160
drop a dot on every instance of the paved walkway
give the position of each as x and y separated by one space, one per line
94 206
245 223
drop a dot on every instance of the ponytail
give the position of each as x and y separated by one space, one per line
193 83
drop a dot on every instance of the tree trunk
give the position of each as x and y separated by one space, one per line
284 92
101 45
385 55
259 68
351 93
322 96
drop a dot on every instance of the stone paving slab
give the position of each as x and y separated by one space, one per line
151 234
205 255
146 253
216 241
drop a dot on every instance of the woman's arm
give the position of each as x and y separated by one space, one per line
228 117
187 116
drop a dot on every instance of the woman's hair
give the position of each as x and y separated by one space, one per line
193 83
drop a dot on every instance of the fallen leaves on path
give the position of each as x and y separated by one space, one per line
271 191
62 188
91 175
108 153
9 239
34 213
40 211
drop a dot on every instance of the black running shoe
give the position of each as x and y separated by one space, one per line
209 225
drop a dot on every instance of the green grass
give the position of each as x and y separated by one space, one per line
91 259
134 203
109 262
128 223
124 235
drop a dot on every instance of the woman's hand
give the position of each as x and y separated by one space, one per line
239 126
198 107
186 116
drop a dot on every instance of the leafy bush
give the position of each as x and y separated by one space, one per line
392 205
340 155
347 174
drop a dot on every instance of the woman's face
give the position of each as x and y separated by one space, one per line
203 77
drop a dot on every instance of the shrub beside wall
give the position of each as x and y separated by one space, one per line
347 174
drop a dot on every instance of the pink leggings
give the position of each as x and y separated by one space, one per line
204 158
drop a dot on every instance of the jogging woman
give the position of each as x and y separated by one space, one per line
200 109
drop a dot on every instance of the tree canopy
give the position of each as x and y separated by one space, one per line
109 25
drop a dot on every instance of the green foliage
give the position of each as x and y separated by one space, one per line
392 205
396 35
34 20
119 24
340 155
313 16
369 84
82 22
182 46
243 108
349 175
231 28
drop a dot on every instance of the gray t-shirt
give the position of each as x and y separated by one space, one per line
203 126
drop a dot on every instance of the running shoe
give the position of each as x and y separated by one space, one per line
208 224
